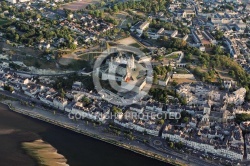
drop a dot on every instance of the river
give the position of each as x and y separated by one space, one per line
79 150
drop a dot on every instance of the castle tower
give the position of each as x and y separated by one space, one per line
128 76
131 62
112 66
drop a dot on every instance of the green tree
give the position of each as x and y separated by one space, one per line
188 57
242 118
62 93
72 46
186 120
116 110
16 38
86 100
155 79
161 121
218 35
8 88
179 145
115 9
171 145
129 25
174 83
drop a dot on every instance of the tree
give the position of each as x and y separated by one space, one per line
38 16
185 116
174 83
102 3
102 14
116 110
159 94
218 35
164 38
231 73
188 57
179 145
8 88
227 6
62 93
155 79
72 46
169 68
183 100
217 50
115 9
242 117
161 121
129 25
186 120
16 38
86 100
145 35
171 145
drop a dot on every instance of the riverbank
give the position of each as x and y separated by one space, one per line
44 153
59 123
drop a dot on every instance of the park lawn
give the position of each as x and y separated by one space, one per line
222 73
181 71
175 56
127 41
183 80
121 15
140 13
145 50
77 5
135 45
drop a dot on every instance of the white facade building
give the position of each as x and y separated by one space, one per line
60 103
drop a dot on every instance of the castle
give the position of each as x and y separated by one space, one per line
121 59
124 69
120 68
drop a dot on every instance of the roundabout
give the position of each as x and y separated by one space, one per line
157 142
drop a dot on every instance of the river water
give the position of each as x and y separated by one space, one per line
79 150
